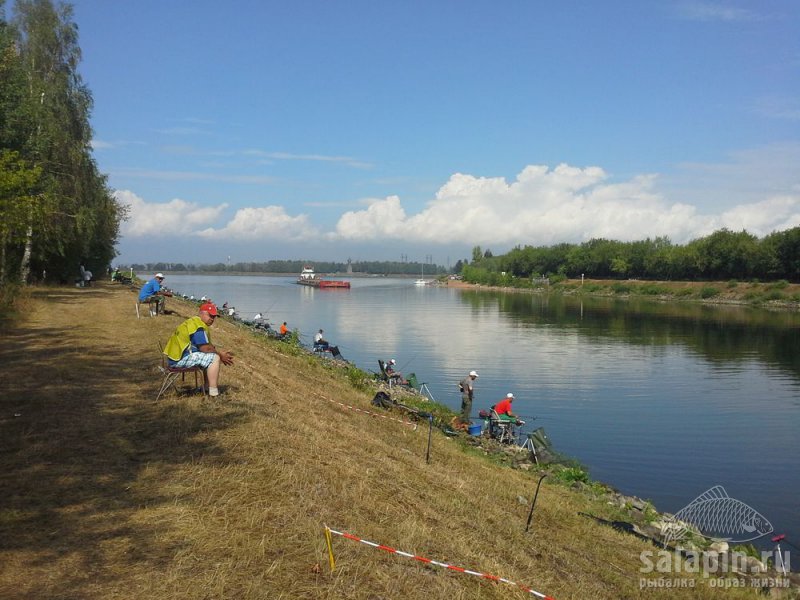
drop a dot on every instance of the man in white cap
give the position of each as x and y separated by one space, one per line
152 292
392 373
503 408
467 391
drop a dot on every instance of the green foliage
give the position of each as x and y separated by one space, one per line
747 550
61 214
620 288
683 292
652 289
732 284
708 291
774 295
570 475
358 379
778 285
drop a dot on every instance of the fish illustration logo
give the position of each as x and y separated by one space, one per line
719 517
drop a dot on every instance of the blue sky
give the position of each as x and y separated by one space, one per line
366 129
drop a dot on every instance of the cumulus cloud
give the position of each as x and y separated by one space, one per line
542 206
176 217
253 224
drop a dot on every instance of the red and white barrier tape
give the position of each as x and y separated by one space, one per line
361 410
428 561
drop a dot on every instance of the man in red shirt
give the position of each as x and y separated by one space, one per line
503 408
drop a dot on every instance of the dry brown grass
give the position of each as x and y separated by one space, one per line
106 494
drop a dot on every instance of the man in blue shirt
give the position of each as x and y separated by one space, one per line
151 292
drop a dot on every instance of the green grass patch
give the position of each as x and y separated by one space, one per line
708 291
653 289
683 292
774 295
732 284
778 285
570 475
620 288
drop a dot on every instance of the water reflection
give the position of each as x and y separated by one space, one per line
719 334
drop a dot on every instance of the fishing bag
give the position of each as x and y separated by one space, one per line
382 400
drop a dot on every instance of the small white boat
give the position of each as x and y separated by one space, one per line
421 280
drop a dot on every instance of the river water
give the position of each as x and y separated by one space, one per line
661 401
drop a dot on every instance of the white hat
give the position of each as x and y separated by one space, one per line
392 361
510 395
160 275
473 373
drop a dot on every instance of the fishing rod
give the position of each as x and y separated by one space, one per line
405 364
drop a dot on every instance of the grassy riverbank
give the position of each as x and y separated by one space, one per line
775 294
107 494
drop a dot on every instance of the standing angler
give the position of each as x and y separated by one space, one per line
467 391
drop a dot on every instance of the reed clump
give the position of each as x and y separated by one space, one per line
107 494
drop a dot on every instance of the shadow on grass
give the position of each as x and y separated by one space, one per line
83 447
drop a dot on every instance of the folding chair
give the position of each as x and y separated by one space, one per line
152 306
503 430
171 375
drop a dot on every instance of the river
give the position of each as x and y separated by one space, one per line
660 400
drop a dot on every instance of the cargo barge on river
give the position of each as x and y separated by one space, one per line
309 278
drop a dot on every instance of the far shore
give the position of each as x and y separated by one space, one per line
774 295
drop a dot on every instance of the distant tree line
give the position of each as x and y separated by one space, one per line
294 267
723 255
56 210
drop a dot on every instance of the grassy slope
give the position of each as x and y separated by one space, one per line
106 494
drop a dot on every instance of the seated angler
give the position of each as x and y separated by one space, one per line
190 346
395 376
320 342
153 292
503 409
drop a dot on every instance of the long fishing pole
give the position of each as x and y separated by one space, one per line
405 364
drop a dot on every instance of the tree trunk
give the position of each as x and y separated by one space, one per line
25 267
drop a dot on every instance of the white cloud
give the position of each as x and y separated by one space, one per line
194 176
715 11
254 224
346 160
761 218
100 144
176 217
540 207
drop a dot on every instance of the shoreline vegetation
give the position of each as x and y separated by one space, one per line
110 494
775 294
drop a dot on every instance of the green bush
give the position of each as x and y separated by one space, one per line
778 285
558 278
774 295
708 291
683 292
732 283
572 474
620 288
592 287
652 289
